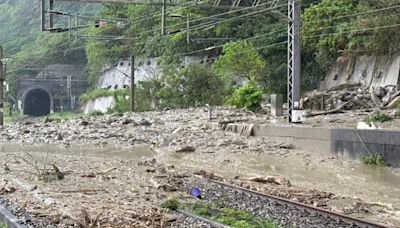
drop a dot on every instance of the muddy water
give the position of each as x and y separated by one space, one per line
136 153
340 176
344 177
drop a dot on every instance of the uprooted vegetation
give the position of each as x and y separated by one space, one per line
42 170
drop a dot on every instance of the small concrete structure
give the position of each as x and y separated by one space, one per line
276 105
351 143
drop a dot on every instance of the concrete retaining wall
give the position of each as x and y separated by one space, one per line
347 142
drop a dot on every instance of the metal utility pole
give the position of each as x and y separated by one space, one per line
187 28
2 76
51 20
43 15
294 58
132 83
164 17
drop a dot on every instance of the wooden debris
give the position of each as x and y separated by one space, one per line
208 174
81 191
272 180
5 189
186 149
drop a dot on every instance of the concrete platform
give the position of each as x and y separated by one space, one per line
347 142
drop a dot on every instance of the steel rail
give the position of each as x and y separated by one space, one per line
326 213
210 222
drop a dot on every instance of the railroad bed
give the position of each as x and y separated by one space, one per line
285 212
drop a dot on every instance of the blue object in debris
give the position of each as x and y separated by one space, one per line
196 192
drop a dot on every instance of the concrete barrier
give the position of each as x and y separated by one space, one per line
346 142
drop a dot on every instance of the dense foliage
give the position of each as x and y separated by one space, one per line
242 43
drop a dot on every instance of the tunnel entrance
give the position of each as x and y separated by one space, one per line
37 103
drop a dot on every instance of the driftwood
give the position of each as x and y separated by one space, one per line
332 111
81 191
222 122
393 103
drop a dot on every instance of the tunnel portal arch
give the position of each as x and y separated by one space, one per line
37 101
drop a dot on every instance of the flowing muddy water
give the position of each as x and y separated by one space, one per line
306 170
344 177
350 178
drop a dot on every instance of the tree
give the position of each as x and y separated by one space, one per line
239 59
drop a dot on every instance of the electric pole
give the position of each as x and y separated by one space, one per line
164 17
1 88
294 58
132 83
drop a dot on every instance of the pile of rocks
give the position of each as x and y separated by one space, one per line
351 98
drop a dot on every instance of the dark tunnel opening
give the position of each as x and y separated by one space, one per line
37 103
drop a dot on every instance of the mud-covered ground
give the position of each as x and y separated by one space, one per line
110 177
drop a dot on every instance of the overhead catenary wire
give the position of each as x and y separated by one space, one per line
201 26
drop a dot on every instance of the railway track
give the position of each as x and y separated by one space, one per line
325 213
317 217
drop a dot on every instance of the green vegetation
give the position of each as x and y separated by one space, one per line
95 113
248 46
219 213
95 93
377 117
28 47
231 217
172 203
248 96
373 159
239 59
3 225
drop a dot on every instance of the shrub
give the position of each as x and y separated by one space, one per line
248 96
96 93
95 113
171 203
373 159
377 117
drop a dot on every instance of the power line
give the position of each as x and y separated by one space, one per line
349 23
355 31
355 14
204 25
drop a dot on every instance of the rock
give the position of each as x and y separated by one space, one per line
126 121
367 126
186 149
379 91
27 122
25 131
385 100
143 122
59 137
84 123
